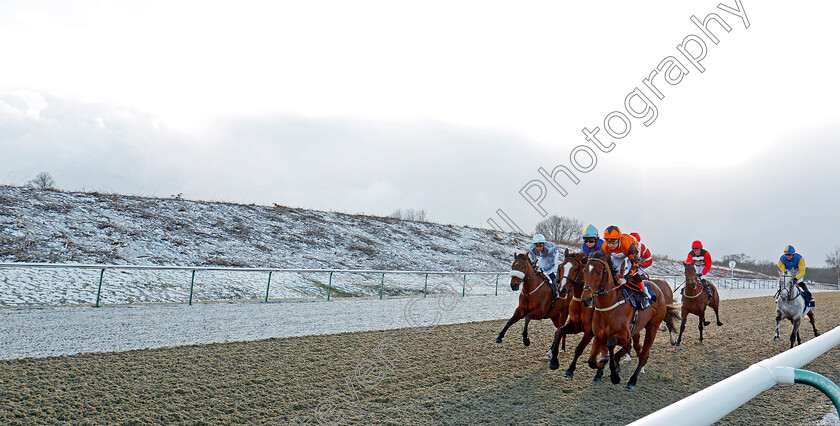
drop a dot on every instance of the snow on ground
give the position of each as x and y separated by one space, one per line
49 226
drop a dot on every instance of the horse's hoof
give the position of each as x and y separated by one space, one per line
553 364
499 341
629 387
777 338
526 342
719 323
816 333
706 322
569 374
676 345
615 378
596 379
561 351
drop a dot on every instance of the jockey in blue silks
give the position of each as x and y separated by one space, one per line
591 240
544 255
793 263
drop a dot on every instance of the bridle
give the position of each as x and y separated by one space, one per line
695 283
578 280
527 277
783 286
602 292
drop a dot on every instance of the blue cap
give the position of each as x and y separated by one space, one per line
790 250
590 232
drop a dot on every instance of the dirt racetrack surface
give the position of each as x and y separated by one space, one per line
451 374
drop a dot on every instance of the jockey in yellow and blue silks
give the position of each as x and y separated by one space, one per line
591 242
544 255
793 263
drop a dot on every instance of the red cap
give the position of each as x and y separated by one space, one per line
696 244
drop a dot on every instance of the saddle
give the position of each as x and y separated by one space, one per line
636 298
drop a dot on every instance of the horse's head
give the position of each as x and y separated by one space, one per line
520 268
570 272
785 285
597 277
691 279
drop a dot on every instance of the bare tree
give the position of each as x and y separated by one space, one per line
43 181
560 228
418 215
833 260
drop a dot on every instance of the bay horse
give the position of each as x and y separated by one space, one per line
536 301
695 300
791 305
615 322
570 278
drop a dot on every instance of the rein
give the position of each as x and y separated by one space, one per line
576 282
603 292
699 289
526 278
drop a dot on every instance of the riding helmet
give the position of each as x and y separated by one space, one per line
612 233
590 232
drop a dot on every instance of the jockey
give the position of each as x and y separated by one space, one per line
645 257
793 263
591 242
621 247
544 255
702 261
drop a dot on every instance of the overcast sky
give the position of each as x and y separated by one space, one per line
450 106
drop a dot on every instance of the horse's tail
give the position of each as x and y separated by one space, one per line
672 315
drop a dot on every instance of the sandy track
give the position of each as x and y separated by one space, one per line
449 374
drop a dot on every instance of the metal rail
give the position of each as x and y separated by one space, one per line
193 269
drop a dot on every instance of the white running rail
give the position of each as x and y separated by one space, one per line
716 401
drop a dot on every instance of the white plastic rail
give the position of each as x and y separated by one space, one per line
713 403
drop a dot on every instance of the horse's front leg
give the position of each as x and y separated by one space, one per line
525 340
778 325
587 337
795 333
813 323
682 327
702 323
559 335
559 322
517 315
614 377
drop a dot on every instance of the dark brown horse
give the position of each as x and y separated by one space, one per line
615 322
695 300
536 301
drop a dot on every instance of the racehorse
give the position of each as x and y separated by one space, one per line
615 322
570 278
695 299
791 305
536 301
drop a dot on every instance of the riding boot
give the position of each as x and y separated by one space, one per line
808 298
554 289
708 289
